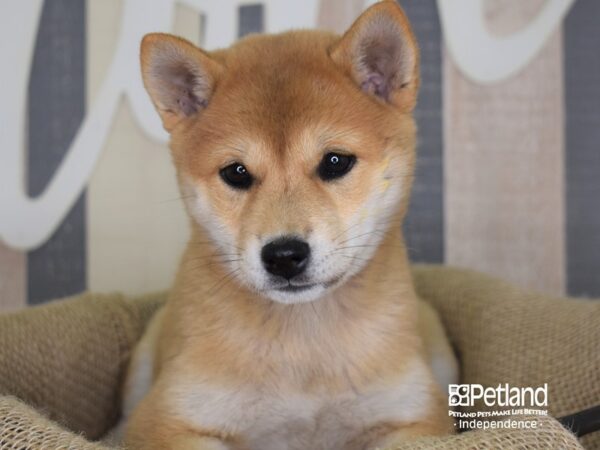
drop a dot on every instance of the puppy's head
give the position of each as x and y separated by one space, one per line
294 152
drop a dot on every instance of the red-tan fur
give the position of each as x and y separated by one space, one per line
309 374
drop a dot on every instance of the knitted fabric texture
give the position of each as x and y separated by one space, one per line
61 365
67 359
503 334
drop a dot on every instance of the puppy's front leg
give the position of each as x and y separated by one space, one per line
152 427
170 438
173 438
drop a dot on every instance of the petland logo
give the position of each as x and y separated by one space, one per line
506 404
502 395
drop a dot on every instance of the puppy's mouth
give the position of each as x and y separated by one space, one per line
296 288
299 291
301 287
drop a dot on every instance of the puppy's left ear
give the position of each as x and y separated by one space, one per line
380 53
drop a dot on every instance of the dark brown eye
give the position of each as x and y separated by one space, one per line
237 176
335 165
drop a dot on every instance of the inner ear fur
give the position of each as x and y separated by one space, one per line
380 53
178 76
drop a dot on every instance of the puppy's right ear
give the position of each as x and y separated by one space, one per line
179 77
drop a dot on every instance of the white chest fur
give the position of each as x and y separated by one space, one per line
268 418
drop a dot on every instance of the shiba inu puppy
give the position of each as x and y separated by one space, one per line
293 322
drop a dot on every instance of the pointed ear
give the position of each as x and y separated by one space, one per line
380 53
179 77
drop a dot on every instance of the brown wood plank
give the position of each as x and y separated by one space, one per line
504 168
13 269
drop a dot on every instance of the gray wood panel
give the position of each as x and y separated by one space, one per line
56 107
582 164
424 226
250 19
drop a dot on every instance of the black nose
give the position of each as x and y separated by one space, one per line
285 257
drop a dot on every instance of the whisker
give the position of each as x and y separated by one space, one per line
216 244
223 281
345 231
182 197
361 235
212 263
386 223
370 261
214 254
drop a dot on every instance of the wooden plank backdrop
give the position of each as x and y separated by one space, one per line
56 107
136 224
424 226
582 164
507 176
13 292
504 153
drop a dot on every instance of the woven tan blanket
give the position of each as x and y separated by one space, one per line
61 365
